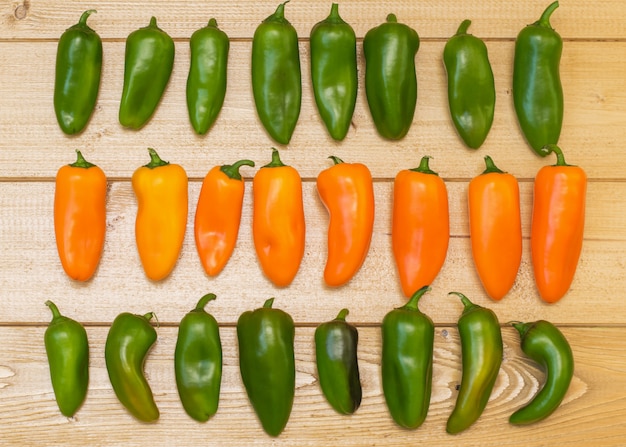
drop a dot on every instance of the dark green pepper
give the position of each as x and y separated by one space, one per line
206 83
390 79
198 362
267 364
128 342
407 362
148 64
334 72
67 349
276 77
546 345
337 365
481 354
77 75
471 87
537 89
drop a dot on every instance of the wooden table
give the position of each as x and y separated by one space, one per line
32 148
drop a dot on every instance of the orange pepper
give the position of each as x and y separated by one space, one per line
161 191
495 229
80 217
420 230
218 215
278 226
347 192
556 235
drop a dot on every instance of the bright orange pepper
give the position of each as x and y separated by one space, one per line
80 217
218 215
495 229
161 191
278 226
558 222
347 192
420 230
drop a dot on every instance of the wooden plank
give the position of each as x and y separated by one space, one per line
29 257
576 19
592 408
33 145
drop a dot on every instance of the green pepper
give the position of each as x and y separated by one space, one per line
267 364
537 89
128 342
198 362
407 362
390 79
546 345
481 353
334 72
148 64
67 349
471 87
77 75
206 83
276 77
337 365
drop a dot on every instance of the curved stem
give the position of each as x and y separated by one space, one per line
491 166
560 158
268 303
336 160
463 27
413 301
276 162
343 313
204 300
423 168
232 171
54 309
544 20
81 162
465 300
155 160
83 18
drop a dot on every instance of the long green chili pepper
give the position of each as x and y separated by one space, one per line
390 79
77 75
546 345
407 362
537 89
471 87
267 364
128 342
67 349
198 362
334 72
337 365
481 353
206 83
148 64
276 77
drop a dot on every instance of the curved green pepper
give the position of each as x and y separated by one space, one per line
206 83
67 349
128 342
276 77
407 362
390 79
537 89
148 64
471 87
198 362
77 75
546 345
267 364
481 353
334 72
336 344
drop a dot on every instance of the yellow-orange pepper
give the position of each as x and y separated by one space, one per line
420 230
80 217
161 191
278 226
495 229
347 192
556 235
218 215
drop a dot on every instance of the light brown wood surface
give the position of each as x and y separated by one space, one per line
32 148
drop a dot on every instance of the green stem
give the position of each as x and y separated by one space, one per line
276 162
268 304
279 14
391 18
465 300
81 162
54 309
413 301
334 17
343 313
155 160
212 23
522 328
232 171
544 20
336 160
83 18
553 148
204 300
463 27
423 168
491 166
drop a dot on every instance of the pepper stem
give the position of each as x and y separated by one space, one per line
153 22
413 301
544 20
423 168
279 14
268 304
343 313
334 14
491 166
336 160
276 162
83 18
465 300
54 309
391 18
522 328
463 27
204 300
81 162
212 22
560 158
155 160
232 171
